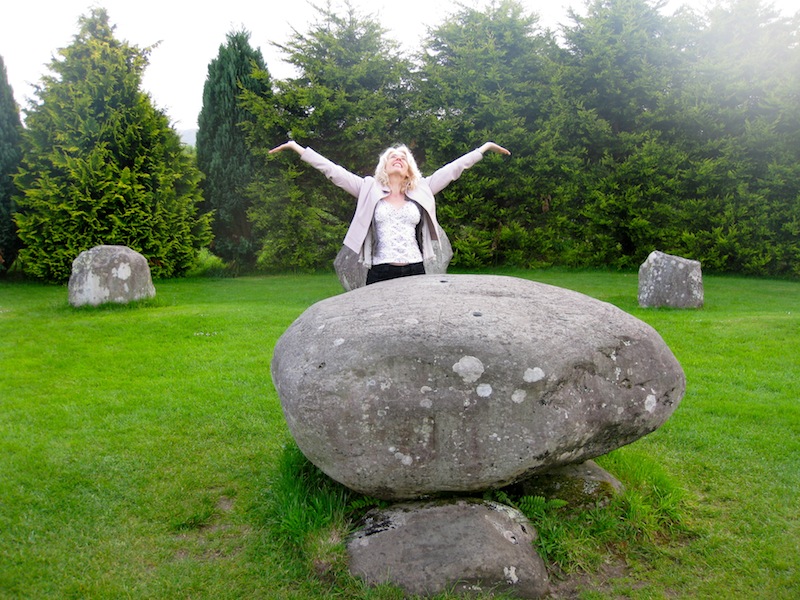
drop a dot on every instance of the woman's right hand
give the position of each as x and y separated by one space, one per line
290 145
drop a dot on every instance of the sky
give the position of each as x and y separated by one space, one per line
189 36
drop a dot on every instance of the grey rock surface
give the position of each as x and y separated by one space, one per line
584 485
440 383
670 281
442 255
461 546
109 274
353 275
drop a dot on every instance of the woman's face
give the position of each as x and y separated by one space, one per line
397 164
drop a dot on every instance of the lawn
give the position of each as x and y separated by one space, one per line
141 447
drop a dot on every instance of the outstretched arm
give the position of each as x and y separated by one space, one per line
492 147
290 145
338 175
450 172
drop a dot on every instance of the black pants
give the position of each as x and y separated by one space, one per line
384 272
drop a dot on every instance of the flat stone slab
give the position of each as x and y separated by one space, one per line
459 383
464 546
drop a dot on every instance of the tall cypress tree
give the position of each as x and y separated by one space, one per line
222 151
101 165
10 155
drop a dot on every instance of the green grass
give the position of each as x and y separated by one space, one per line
143 452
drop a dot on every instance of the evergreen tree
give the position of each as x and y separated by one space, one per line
696 149
10 155
745 203
621 61
638 132
485 75
348 103
222 151
350 97
622 65
101 165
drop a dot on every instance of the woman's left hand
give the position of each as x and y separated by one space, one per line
492 147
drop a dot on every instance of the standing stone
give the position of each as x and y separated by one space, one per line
352 274
670 281
109 274
442 255
459 383
463 546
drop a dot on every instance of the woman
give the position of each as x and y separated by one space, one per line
393 206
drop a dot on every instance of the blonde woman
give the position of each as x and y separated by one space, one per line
394 224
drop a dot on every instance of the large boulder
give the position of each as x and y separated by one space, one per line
439 383
109 274
670 281
459 546
352 274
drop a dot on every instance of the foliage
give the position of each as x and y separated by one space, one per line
101 165
222 151
577 538
348 103
208 264
745 84
10 156
296 229
620 62
485 76
630 131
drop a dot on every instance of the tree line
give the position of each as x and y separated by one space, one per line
97 163
631 131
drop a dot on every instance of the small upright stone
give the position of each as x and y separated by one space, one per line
670 281
584 485
109 274
442 255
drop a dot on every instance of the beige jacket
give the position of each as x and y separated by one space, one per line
368 192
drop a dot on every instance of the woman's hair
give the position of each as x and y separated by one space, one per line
413 171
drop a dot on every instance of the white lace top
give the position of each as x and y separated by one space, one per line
396 233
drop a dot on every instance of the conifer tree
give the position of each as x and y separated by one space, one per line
347 102
484 75
222 151
10 155
101 165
